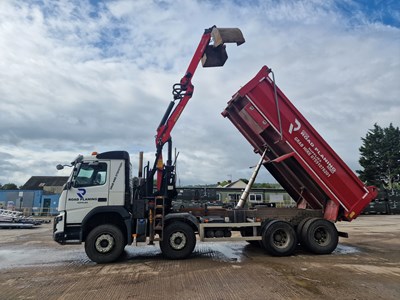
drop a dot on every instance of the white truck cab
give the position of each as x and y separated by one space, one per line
97 183
101 206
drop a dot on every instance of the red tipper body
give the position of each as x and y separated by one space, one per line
298 157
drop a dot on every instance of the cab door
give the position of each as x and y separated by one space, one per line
89 189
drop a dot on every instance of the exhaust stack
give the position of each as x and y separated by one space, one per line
140 168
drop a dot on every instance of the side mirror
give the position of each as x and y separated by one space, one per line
59 167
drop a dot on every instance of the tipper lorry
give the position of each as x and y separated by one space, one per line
103 207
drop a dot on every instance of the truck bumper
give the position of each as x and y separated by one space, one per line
58 228
66 234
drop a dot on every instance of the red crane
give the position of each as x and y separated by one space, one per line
212 53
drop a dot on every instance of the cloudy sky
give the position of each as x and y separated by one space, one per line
82 76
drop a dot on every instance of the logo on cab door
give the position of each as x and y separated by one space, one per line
81 199
81 193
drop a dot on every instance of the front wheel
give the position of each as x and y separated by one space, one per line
104 244
178 241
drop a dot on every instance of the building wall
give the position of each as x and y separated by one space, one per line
53 189
30 201
20 199
49 204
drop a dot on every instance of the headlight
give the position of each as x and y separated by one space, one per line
58 219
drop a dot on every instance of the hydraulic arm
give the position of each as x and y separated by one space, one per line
211 55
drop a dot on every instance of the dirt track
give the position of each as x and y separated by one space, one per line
365 266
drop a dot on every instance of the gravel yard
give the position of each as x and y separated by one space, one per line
364 266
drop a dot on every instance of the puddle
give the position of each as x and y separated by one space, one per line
226 252
343 249
11 258
142 252
33 256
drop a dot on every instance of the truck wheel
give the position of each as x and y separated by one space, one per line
319 236
279 238
104 244
178 241
299 228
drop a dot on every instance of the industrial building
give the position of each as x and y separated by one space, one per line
38 196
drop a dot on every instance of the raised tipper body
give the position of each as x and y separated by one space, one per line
298 157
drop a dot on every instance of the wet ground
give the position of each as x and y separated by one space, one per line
364 266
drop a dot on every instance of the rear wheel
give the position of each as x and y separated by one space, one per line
104 244
279 238
319 236
299 228
178 241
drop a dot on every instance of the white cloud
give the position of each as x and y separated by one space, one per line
76 78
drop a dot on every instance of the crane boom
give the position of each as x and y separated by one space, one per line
211 55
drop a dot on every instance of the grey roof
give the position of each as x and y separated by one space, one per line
38 182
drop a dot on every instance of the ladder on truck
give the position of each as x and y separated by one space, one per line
157 222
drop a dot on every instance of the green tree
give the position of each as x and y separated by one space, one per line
380 157
9 186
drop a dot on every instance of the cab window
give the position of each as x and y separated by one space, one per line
91 174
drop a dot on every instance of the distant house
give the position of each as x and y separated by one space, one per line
238 184
230 192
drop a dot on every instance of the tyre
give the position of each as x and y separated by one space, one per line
178 241
279 238
299 228
104 244
319 236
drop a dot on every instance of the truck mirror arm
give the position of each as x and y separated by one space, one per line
69 185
